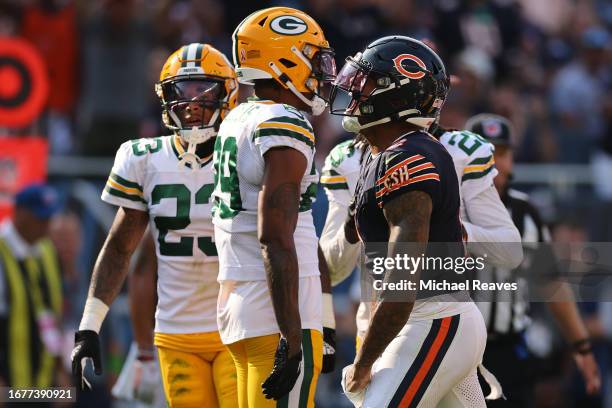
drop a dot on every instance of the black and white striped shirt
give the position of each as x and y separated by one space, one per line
510 314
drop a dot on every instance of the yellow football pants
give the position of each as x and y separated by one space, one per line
197 370
254 359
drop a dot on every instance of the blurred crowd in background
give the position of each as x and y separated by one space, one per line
544 64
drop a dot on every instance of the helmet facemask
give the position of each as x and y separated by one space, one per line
322 77
322 67
193 107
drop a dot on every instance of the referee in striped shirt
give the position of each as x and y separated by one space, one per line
506 354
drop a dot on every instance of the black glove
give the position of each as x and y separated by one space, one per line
329 350
284 374
86 345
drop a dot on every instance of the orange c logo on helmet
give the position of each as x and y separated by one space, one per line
397 62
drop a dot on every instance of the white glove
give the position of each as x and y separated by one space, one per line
146 380
139 380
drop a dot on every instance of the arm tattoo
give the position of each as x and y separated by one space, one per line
281 266
285 201
408 217
111 267
280 257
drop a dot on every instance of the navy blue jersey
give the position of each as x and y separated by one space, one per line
415 161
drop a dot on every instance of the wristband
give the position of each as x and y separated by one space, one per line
582 347
145 354
329 320
93 314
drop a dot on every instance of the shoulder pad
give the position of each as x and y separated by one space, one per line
339 153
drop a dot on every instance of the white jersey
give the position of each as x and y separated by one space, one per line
341 172
490 229
246 134
147 176
473 159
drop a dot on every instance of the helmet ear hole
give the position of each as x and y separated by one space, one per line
287 63
262 22
383 82
366 108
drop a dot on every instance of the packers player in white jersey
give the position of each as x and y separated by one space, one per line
166 183
269 310
487 225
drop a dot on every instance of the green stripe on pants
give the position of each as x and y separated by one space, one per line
308 367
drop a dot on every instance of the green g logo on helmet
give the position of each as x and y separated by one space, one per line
288 25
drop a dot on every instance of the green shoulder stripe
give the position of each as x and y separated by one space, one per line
283 132
292 121
125 183
480 160
335 186
121 194
476 175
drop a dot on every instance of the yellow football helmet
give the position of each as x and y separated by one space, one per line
196 78
287 45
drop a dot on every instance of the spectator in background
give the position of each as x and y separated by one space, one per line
194 21
602 160
51 26
468 95
577 98
151 125
406 18
66 234
9 18
491 26
592 276
204 22
350 25
30 294
116 44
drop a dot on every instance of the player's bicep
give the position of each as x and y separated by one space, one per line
279 198
408 217
487 210
478 176
336 216
146 262
127 230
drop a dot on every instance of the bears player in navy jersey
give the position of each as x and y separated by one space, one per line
422 351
